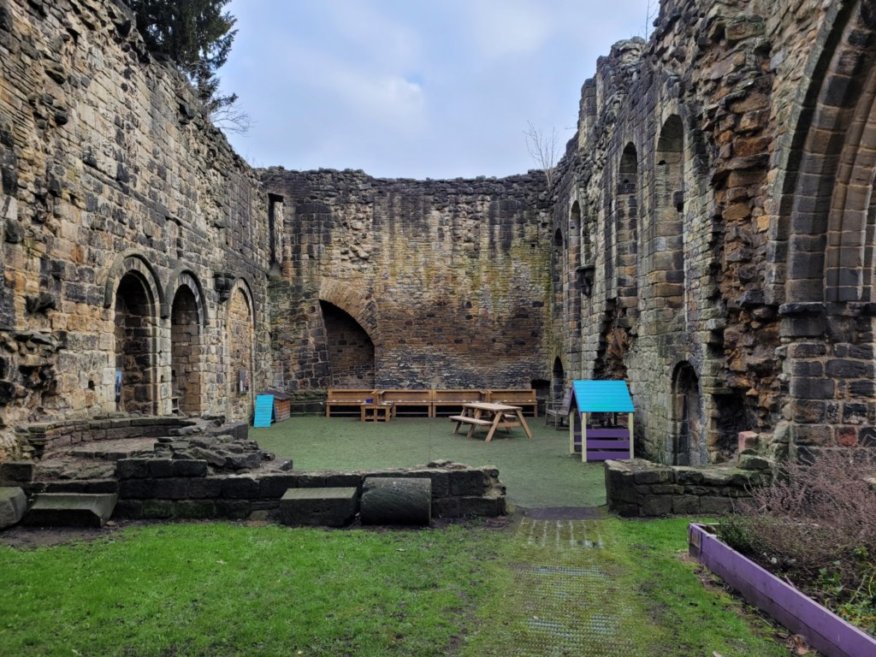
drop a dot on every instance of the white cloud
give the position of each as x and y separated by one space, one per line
502 28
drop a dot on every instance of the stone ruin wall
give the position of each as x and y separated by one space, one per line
111 180
709 236
735 326
448 278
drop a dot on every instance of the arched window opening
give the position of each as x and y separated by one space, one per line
628 229
667 246
135 346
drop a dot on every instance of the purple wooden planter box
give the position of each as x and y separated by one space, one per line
824 630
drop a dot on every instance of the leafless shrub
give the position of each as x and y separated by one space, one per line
814 516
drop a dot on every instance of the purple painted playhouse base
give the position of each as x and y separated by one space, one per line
824 630
604 444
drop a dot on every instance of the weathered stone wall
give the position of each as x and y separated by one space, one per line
641 488
712 153
448 278
115 193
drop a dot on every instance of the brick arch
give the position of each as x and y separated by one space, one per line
627 228
825 219
824 242
666 251
688 433
354 301
184 277
240 350
188 318
134 261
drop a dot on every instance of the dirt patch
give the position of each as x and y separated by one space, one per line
31 538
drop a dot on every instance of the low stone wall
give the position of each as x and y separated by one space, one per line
642 488
179 488
44 439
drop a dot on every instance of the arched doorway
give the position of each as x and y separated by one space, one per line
687 422
135 346
240 354
185 337
558 380
350 349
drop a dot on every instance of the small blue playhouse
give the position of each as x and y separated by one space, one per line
594 427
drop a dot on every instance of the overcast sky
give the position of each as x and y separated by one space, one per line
415 88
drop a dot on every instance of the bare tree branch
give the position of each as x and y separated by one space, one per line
229 118
543 149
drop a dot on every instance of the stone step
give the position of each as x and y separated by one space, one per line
322 507
70 510
13 503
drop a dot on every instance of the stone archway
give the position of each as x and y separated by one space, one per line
667 244
350 348
558 380
135 334
827 229
185 339
687 418
239 339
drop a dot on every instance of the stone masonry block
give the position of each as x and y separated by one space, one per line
14 472
331 507
468 482
240 487
13 504
70 510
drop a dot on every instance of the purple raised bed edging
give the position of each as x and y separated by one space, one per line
824 630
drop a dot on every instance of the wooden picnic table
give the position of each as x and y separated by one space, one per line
486 415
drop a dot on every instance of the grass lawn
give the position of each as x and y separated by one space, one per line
537 472
222 589
498 588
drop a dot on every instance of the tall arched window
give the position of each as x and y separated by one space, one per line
667 244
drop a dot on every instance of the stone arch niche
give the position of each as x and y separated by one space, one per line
350 348
827 228
687 439
239 349
558 269
135 321
628 229
666 275
558 379
186 320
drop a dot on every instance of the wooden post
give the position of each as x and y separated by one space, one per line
583 437
630 427
572 415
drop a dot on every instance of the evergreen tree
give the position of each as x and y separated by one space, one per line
196 35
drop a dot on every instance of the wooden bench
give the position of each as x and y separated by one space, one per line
525 398
455 398
465 419
348 398
410 400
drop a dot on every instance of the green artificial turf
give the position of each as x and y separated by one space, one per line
538 472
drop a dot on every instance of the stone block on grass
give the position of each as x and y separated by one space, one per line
328 507
70 510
